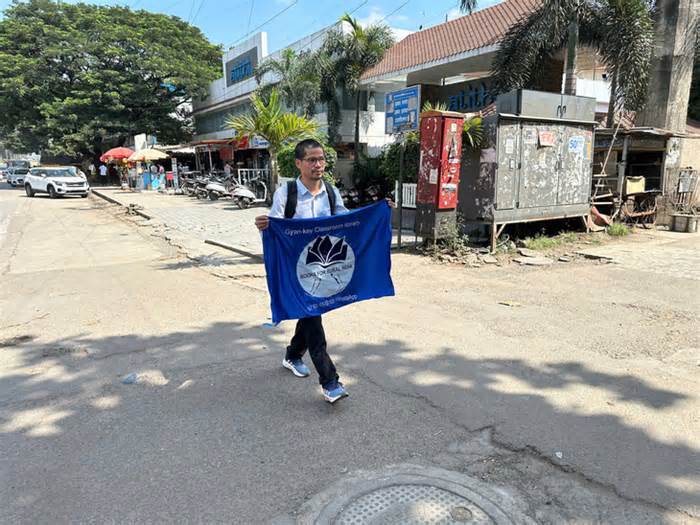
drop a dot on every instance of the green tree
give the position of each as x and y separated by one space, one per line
269 121
77 79
288 168
467 5
296 78
346 56
620 30
389 164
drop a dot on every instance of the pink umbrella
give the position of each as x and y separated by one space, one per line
116 154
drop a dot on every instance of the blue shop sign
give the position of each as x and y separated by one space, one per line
470 98
241 67
241 71
402 110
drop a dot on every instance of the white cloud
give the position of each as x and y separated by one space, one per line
400 34
454 13
375 15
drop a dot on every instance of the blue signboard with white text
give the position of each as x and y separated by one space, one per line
402 110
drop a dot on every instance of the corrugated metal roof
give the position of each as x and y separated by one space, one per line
468 33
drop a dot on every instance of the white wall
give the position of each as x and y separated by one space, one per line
598 89
371 129
311 42
371 122
218 92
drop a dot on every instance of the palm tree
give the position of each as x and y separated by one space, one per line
270 122
346 56
295 77
620 30
467 5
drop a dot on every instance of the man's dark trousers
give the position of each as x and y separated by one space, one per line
309 335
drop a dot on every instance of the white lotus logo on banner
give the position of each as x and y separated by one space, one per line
325 266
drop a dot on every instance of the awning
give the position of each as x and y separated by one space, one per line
182 149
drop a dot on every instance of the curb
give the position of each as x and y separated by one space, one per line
114 201
105 197
235 249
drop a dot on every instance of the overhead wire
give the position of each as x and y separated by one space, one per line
250 16
285 9
189 15
201 3
394 11
216 100
322 34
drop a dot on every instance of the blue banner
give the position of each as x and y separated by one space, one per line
317 265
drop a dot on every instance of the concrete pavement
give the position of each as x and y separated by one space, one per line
581 403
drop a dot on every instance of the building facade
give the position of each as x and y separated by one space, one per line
452 62
230 95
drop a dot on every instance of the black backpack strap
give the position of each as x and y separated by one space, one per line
330 190
290 208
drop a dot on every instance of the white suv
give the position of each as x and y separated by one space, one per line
16 176
55 181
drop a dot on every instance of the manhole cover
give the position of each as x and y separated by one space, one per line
412 505
413 495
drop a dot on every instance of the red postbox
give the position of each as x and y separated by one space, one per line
438 171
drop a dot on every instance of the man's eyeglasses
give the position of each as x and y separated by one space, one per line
315 160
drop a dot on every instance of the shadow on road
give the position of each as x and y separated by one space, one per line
519 397
248 432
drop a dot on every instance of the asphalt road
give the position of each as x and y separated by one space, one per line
582 401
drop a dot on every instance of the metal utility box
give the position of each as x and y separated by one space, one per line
528 169
546 105
438 172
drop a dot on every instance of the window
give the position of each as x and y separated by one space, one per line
216 120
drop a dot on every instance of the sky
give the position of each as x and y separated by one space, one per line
227 22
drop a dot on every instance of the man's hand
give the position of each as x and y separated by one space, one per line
262 222
390 202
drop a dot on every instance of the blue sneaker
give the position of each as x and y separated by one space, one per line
334 391
297 367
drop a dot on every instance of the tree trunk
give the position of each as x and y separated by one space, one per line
570 80
610 120
357 125
274 175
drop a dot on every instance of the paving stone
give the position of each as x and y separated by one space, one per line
533 261
526 252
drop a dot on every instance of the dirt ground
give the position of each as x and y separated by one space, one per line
572 386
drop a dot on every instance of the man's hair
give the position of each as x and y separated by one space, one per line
303 145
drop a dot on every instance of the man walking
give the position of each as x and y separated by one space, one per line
309 196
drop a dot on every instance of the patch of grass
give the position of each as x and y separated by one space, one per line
617 229
453 244
543 242
568 237
540 242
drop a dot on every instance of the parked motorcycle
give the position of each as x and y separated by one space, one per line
253 192
219 188
354 198
200 188
188 182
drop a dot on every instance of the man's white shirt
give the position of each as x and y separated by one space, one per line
308 206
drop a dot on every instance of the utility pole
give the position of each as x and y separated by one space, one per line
572 44
671 72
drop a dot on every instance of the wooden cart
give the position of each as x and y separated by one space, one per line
640 208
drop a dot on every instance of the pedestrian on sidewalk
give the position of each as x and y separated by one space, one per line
309 197
132 177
